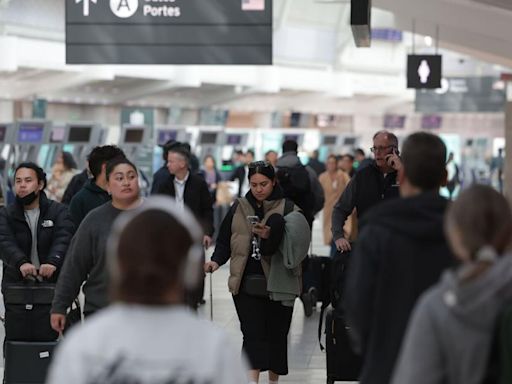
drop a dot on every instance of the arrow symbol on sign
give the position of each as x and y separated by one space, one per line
86 5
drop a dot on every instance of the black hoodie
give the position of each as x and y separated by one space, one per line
401 251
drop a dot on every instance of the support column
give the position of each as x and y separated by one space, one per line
508 142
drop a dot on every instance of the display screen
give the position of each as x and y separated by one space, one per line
291 137
394 121
30 133
208 138
234 139
58 135
79 134
330 140
165 135
349 141
431 121
3 131
134 135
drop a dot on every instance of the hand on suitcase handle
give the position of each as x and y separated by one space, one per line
58 322
342 245
28 269
210 267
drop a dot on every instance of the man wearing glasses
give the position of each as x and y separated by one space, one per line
369 186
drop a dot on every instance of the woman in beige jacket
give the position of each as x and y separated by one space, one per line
334 182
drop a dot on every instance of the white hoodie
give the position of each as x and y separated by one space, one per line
147 345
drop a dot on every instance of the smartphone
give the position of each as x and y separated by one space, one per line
253 219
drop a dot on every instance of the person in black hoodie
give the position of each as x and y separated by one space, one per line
35 231
94 192
401 251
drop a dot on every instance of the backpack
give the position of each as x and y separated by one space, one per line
296 186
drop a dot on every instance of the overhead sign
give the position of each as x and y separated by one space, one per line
169 32
424 71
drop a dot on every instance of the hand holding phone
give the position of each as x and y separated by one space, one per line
253 219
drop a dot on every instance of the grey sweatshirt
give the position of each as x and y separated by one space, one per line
450 332
85 261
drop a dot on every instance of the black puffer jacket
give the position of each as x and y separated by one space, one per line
55 230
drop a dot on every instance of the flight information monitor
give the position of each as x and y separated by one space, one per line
349 141
3 132
208 138
30 132
79 134
329 140
134 135
233 139
164 135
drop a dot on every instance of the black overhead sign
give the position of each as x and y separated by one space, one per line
424 71
169 32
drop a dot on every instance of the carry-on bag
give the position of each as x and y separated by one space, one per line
27 311
27 362
343 364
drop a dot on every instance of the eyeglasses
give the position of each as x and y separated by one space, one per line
381 149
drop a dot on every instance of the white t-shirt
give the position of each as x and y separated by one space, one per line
147 345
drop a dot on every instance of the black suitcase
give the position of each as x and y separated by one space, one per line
343 364
27 363
316 274
27 311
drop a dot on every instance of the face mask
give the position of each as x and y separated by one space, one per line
27 200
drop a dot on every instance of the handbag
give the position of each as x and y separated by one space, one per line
255 285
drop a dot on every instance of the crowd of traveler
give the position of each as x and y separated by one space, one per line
427 288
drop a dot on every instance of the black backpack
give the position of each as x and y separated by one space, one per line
296 186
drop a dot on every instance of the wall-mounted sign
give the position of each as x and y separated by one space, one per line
424 71
169 32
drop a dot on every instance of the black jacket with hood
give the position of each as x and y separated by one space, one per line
54 232
400 253
89 197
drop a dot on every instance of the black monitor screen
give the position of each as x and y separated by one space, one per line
394 121
431 121
30 132
330 140
208 138
234 139
58 135
349 141
3 131
79 134
134 135
291 137
165 135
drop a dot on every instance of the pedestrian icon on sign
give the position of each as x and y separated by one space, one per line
424 72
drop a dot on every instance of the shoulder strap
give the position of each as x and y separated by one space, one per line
289 205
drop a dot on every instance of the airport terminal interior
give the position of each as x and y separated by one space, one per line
325 74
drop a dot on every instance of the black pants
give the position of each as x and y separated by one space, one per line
265 325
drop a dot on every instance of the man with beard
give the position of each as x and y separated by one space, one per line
35 231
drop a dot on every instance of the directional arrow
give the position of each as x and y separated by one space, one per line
86 5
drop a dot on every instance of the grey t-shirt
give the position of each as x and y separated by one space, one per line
32 217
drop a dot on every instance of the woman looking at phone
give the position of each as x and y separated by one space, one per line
266 237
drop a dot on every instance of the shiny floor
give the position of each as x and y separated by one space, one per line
305 359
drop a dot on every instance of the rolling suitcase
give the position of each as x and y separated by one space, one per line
343 364
27 362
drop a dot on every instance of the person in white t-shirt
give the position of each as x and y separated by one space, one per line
149 336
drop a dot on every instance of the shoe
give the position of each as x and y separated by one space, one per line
306 301
313 293
202 302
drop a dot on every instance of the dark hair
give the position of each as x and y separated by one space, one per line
166 147
315 154
390 136
349 156
262 167
331 156
210 157
483 218
68 161
424 160
269 152
360 152
102 155
40 174
182 150
112 164
290 146
250 152
163 251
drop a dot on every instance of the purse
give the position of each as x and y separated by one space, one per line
255 285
